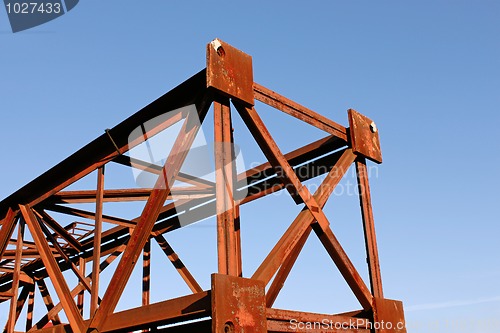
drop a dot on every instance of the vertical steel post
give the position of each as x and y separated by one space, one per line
55 274
238 305
15 280
80 298
142 231
6 230
31 305
146 273
94 295
369 228
228 243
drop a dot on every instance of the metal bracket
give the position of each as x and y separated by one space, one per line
388 316
238 305
364 136
229 70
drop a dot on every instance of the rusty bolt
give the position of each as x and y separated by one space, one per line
216 44
229 327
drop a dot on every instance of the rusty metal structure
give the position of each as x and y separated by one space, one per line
37 250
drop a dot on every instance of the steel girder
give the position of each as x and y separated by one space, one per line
234 303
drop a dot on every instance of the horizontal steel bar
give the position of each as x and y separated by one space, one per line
255 191
297 321
298 111
123 195
173 311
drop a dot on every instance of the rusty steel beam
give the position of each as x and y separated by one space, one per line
302 222
66 258
271 150
81 296
180 309
124 195
102 150
54 310
59 230
270 186
88 215
94 293
89 196
146 273
233 303
304 172
191 307
279 320
311 151
8 224
296 157
17 308
14 313
369 228
298 111
31 306
11 254
265 170
280 163
277 326
229 252
238 304
142 231
55 274
156 169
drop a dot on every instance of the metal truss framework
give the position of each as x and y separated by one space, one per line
234 303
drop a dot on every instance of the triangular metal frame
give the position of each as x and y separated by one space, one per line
234 303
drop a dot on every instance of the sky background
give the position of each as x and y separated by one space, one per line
427 72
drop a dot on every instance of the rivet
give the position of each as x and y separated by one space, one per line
229 327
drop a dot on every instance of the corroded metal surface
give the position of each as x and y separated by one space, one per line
364 136
238 305
230 71
41 254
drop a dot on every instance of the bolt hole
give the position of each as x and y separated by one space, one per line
229 327
221 52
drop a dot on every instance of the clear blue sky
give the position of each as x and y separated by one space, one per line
428 73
